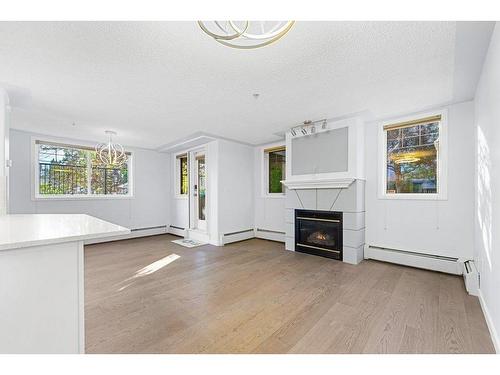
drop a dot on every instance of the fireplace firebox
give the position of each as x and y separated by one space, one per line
319 233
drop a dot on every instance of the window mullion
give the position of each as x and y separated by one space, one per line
89 174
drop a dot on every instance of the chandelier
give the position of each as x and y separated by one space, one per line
246 34
111 153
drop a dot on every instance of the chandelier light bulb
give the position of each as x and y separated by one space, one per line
111 153
246 34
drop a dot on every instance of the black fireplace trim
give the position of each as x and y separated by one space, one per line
335 253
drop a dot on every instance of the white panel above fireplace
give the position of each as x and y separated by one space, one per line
325 152
332 157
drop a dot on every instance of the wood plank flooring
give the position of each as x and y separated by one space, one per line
256 297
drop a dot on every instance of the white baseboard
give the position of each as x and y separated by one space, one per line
181 232
413 259
270 235
489 322
230 237
238 236
135 233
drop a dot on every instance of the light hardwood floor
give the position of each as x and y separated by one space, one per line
255 297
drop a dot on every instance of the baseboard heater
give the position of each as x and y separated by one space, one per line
134 233
414 259
471 277
270 231
149 228
174 227
240 235
270 235
177 231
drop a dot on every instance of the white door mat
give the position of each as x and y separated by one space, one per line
189 243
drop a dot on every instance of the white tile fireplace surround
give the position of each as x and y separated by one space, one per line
325 172
350 201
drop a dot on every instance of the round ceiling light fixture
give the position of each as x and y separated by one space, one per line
111 153
246 34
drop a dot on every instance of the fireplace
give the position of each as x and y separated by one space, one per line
319 233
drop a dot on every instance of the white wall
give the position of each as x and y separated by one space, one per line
269 211
179 215
4 150
149 206
438 227
229 190
235 187
487 178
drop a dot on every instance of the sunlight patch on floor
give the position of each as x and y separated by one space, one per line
149 269
155 266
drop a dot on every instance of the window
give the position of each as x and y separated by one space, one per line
69 170
275 159
107 179
183 174
412 154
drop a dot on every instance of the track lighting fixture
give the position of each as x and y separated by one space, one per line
308 127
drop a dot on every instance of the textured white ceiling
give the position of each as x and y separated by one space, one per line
155 82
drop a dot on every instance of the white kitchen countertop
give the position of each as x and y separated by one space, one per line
18 231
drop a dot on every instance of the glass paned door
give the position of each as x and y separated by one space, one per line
201 191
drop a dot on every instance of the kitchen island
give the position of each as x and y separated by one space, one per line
41 280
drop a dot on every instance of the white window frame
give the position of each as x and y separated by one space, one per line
442 155
177 178
265 170
35 178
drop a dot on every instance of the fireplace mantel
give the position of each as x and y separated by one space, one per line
323 183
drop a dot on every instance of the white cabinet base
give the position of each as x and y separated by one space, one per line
41 299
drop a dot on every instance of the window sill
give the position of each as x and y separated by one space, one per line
417 197
81 197
181 197
274 196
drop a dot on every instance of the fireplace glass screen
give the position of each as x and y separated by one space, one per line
319 233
